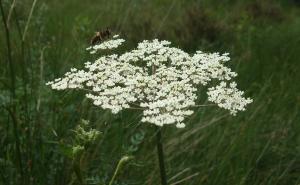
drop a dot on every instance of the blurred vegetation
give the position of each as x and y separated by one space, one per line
258 147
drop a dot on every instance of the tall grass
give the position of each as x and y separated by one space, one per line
258 147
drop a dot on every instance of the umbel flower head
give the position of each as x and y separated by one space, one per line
159 79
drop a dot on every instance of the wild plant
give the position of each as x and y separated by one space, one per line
157 79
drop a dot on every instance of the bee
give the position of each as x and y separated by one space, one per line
100 36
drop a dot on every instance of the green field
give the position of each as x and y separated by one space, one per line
260 146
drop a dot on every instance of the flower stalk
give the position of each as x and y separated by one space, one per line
161 159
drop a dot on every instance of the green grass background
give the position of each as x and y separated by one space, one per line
260 146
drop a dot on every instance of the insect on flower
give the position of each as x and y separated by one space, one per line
100 36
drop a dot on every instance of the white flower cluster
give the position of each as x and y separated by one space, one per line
228 97
110 44
160 80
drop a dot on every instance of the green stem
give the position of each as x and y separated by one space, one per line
28 20
23 66
161 160
13 93
120 164
77 168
